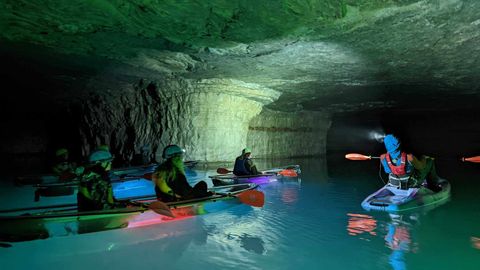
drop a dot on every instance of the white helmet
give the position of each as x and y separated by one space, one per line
100 156
172 151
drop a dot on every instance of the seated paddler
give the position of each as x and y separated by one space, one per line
244 164
170 181
401 165
95 189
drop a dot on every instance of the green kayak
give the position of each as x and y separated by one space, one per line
44 222
391 198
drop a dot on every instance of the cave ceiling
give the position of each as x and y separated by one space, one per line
332 55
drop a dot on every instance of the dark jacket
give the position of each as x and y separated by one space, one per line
244 166
95 190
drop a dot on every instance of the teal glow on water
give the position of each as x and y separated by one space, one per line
315 223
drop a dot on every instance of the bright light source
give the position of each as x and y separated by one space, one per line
376 135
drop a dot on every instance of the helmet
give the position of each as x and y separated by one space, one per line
61 152
100 156
172 151
103 147
246 150
392 143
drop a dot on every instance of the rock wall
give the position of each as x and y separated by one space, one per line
209 118
274 134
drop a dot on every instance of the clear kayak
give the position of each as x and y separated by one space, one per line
231 179
60 220
395 198
272 175
117 174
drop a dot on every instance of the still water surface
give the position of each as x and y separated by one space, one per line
312 223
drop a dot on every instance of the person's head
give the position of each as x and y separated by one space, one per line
392 143
173 151
103 147
61 154
246 152
101 158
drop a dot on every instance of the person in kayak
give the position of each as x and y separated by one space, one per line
95 189
244 164
170 180
63 168
401 164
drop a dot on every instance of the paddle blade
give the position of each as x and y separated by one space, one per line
161 208
252 197
472 159
223 171
147 176
355 156
288 173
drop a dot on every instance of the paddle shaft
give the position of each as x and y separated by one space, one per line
356 156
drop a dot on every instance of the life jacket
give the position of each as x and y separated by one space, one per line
240 168
98 185
400 169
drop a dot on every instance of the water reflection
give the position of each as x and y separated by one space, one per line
396 233
475 242
399 240
252 243
290 195
359 224
116 249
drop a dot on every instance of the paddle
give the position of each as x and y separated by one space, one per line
250 197
287 171
355 156
475 159
159 207
223 171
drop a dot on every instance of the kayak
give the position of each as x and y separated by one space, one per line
62 220
231 179
121 189
115 174
395 197
286 171
272 175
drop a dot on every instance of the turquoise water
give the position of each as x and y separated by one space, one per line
313 223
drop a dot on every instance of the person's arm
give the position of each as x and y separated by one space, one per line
85 192
383 161
160 180
110 199
251 167
418 164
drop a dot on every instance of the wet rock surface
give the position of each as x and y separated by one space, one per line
216 76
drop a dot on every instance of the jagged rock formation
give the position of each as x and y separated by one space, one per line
208 118
215 76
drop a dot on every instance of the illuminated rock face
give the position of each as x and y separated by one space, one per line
219 75
288 134
209 118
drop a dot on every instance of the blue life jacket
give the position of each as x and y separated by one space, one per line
240 168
